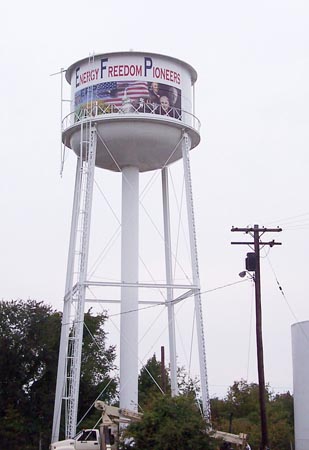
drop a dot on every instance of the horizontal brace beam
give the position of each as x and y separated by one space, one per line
141 285
145 302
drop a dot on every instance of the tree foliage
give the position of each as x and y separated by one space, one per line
29 343
170 423
239 412
97 364
29 336
155 380
150 383
281 421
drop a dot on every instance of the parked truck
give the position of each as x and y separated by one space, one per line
84 440
104 438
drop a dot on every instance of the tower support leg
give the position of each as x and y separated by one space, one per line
129 295
186 145
169 280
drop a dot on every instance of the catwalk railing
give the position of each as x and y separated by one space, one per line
143 109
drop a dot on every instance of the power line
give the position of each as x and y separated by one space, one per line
290 219
286 300
164 303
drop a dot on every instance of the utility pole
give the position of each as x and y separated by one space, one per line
163 374
253 265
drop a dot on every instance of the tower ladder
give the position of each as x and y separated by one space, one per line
81 254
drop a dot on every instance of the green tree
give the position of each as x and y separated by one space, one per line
13 428
170 423
186 384
150 383
242 405
29 336
29 342
243 400
281 421
97 364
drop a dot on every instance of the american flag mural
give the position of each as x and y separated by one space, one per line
113 92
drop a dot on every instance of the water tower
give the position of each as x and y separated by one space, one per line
131 112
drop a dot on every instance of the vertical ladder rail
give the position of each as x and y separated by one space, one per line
186 145
69 363
73 379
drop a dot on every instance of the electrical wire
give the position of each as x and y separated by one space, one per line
294 223
177 301
286 300
290 219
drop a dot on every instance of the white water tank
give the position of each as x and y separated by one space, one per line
300 354
140 103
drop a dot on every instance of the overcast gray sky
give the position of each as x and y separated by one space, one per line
252 98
